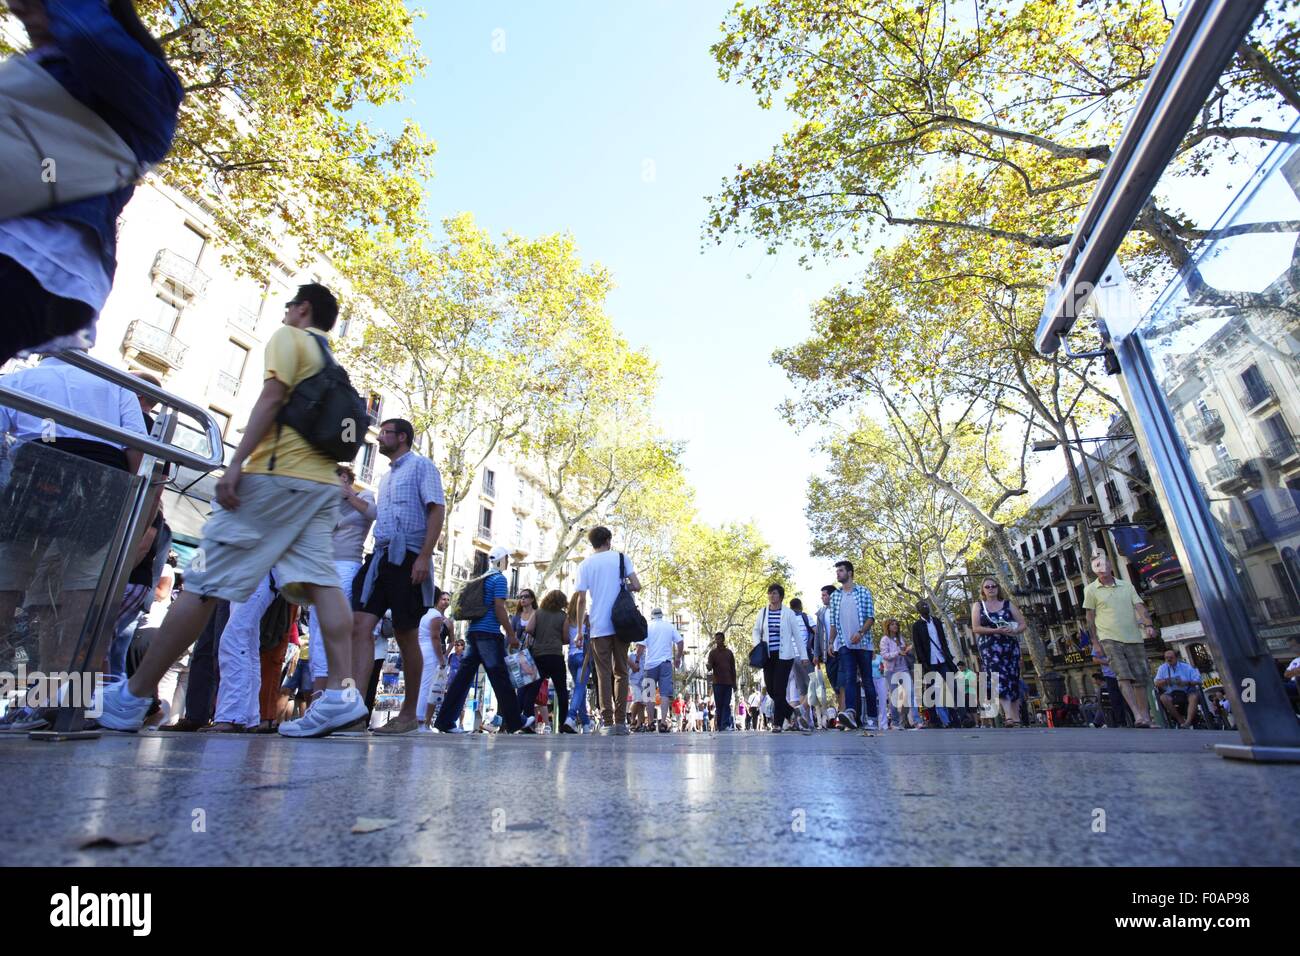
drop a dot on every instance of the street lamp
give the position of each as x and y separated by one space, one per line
1051 444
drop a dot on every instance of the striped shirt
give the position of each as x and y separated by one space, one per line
774 631
411 485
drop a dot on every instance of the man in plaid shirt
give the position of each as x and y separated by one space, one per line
397 577
850 642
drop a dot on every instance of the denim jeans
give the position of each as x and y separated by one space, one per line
853 662
581 671
490 651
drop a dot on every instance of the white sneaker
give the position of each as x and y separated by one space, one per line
120 713
572 725
325 716
529 722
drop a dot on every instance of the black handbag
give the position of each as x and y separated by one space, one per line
758 656
629 623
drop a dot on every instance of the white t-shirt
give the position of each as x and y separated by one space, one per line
429 625
849 623
598 576
659 641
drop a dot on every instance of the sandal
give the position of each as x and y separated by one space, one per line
266 727
224 727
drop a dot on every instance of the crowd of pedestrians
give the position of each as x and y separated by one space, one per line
284 622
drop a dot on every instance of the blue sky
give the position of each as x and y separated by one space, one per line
608 120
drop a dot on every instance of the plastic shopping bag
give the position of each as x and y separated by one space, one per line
441 678
523 671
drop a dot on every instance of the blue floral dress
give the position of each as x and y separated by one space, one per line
1000 653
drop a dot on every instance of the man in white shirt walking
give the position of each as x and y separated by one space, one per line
661 655
601 578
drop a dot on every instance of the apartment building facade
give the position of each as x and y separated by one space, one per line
1234 398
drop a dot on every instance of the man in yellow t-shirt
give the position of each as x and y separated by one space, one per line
276 504
1114 613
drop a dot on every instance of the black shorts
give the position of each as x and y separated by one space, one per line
393 591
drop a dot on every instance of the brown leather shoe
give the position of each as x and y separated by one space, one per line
186 725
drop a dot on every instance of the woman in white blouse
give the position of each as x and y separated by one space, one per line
781 630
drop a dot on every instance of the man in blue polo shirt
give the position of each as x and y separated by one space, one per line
487 647
1179 686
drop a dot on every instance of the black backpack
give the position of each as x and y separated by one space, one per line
326 411
275 620
470 604
629 622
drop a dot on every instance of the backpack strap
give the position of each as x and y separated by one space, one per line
622 571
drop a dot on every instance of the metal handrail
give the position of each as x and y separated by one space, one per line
1199 47
164 451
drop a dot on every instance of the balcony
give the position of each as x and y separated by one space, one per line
245 319
1224 474
181 279
1257 396
1283 450
1252 538
1207 427
153 346
227 384
1275 609
484 534
367 473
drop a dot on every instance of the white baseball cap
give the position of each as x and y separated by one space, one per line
497 553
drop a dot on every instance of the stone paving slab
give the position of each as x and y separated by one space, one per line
963 797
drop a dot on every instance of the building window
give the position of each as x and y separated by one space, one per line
480 564
485 523
1024 549
1257 390
367 474
489 482
236 359
191 243
1112 495
519 530
223 420
375 407
167 317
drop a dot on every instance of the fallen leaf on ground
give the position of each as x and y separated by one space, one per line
111 841
371 824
